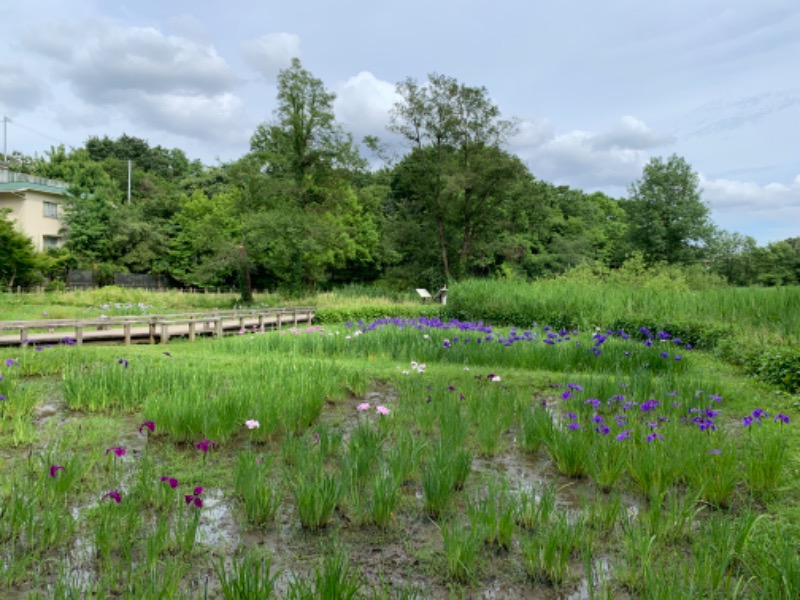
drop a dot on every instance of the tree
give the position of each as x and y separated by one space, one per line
18 265
304 146
732 255
668 220
456 174
302 217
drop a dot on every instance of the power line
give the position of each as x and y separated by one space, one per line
36 131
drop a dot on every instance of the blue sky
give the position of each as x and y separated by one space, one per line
599 88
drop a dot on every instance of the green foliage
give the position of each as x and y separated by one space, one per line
18 263
668 220
367 313
779 365
454 182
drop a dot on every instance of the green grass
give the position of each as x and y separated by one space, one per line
469 481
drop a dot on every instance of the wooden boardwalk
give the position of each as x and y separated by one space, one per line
149 329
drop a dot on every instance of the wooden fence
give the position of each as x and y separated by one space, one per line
150 328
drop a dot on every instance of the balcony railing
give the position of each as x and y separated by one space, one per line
7 176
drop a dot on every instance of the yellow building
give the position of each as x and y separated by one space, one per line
36 206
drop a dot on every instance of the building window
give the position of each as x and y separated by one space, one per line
51 210
50 241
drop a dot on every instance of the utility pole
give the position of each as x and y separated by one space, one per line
6 121
129 181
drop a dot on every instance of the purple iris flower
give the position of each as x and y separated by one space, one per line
123 361
602 429
117 450
654 436
782 418
54 469
624 435
148 425
714 451
574 426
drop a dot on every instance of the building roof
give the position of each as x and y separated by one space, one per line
20 186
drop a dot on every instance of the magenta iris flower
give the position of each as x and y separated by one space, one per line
195 498
173 483
148 425
205 445
54 469
113 495
117 450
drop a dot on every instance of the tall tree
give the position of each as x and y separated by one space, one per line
304 146
302 217
459 171
668 220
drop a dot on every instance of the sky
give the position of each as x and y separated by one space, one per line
599 88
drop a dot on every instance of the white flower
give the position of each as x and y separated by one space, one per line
252 424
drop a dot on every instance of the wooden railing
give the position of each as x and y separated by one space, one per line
153 328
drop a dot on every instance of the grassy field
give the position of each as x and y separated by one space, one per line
405 458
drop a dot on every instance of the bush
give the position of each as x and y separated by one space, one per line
369 313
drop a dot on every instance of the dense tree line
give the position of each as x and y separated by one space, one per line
302 209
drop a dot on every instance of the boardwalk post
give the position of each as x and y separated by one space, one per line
164 332
152 332
294 312
79 335
192 324
218 327
23 335
127 330
280 318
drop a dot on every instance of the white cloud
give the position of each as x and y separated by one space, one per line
631 133
19 87
271 52
607 161
112 61
151 79
216 118
363 104
769 213
773 201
